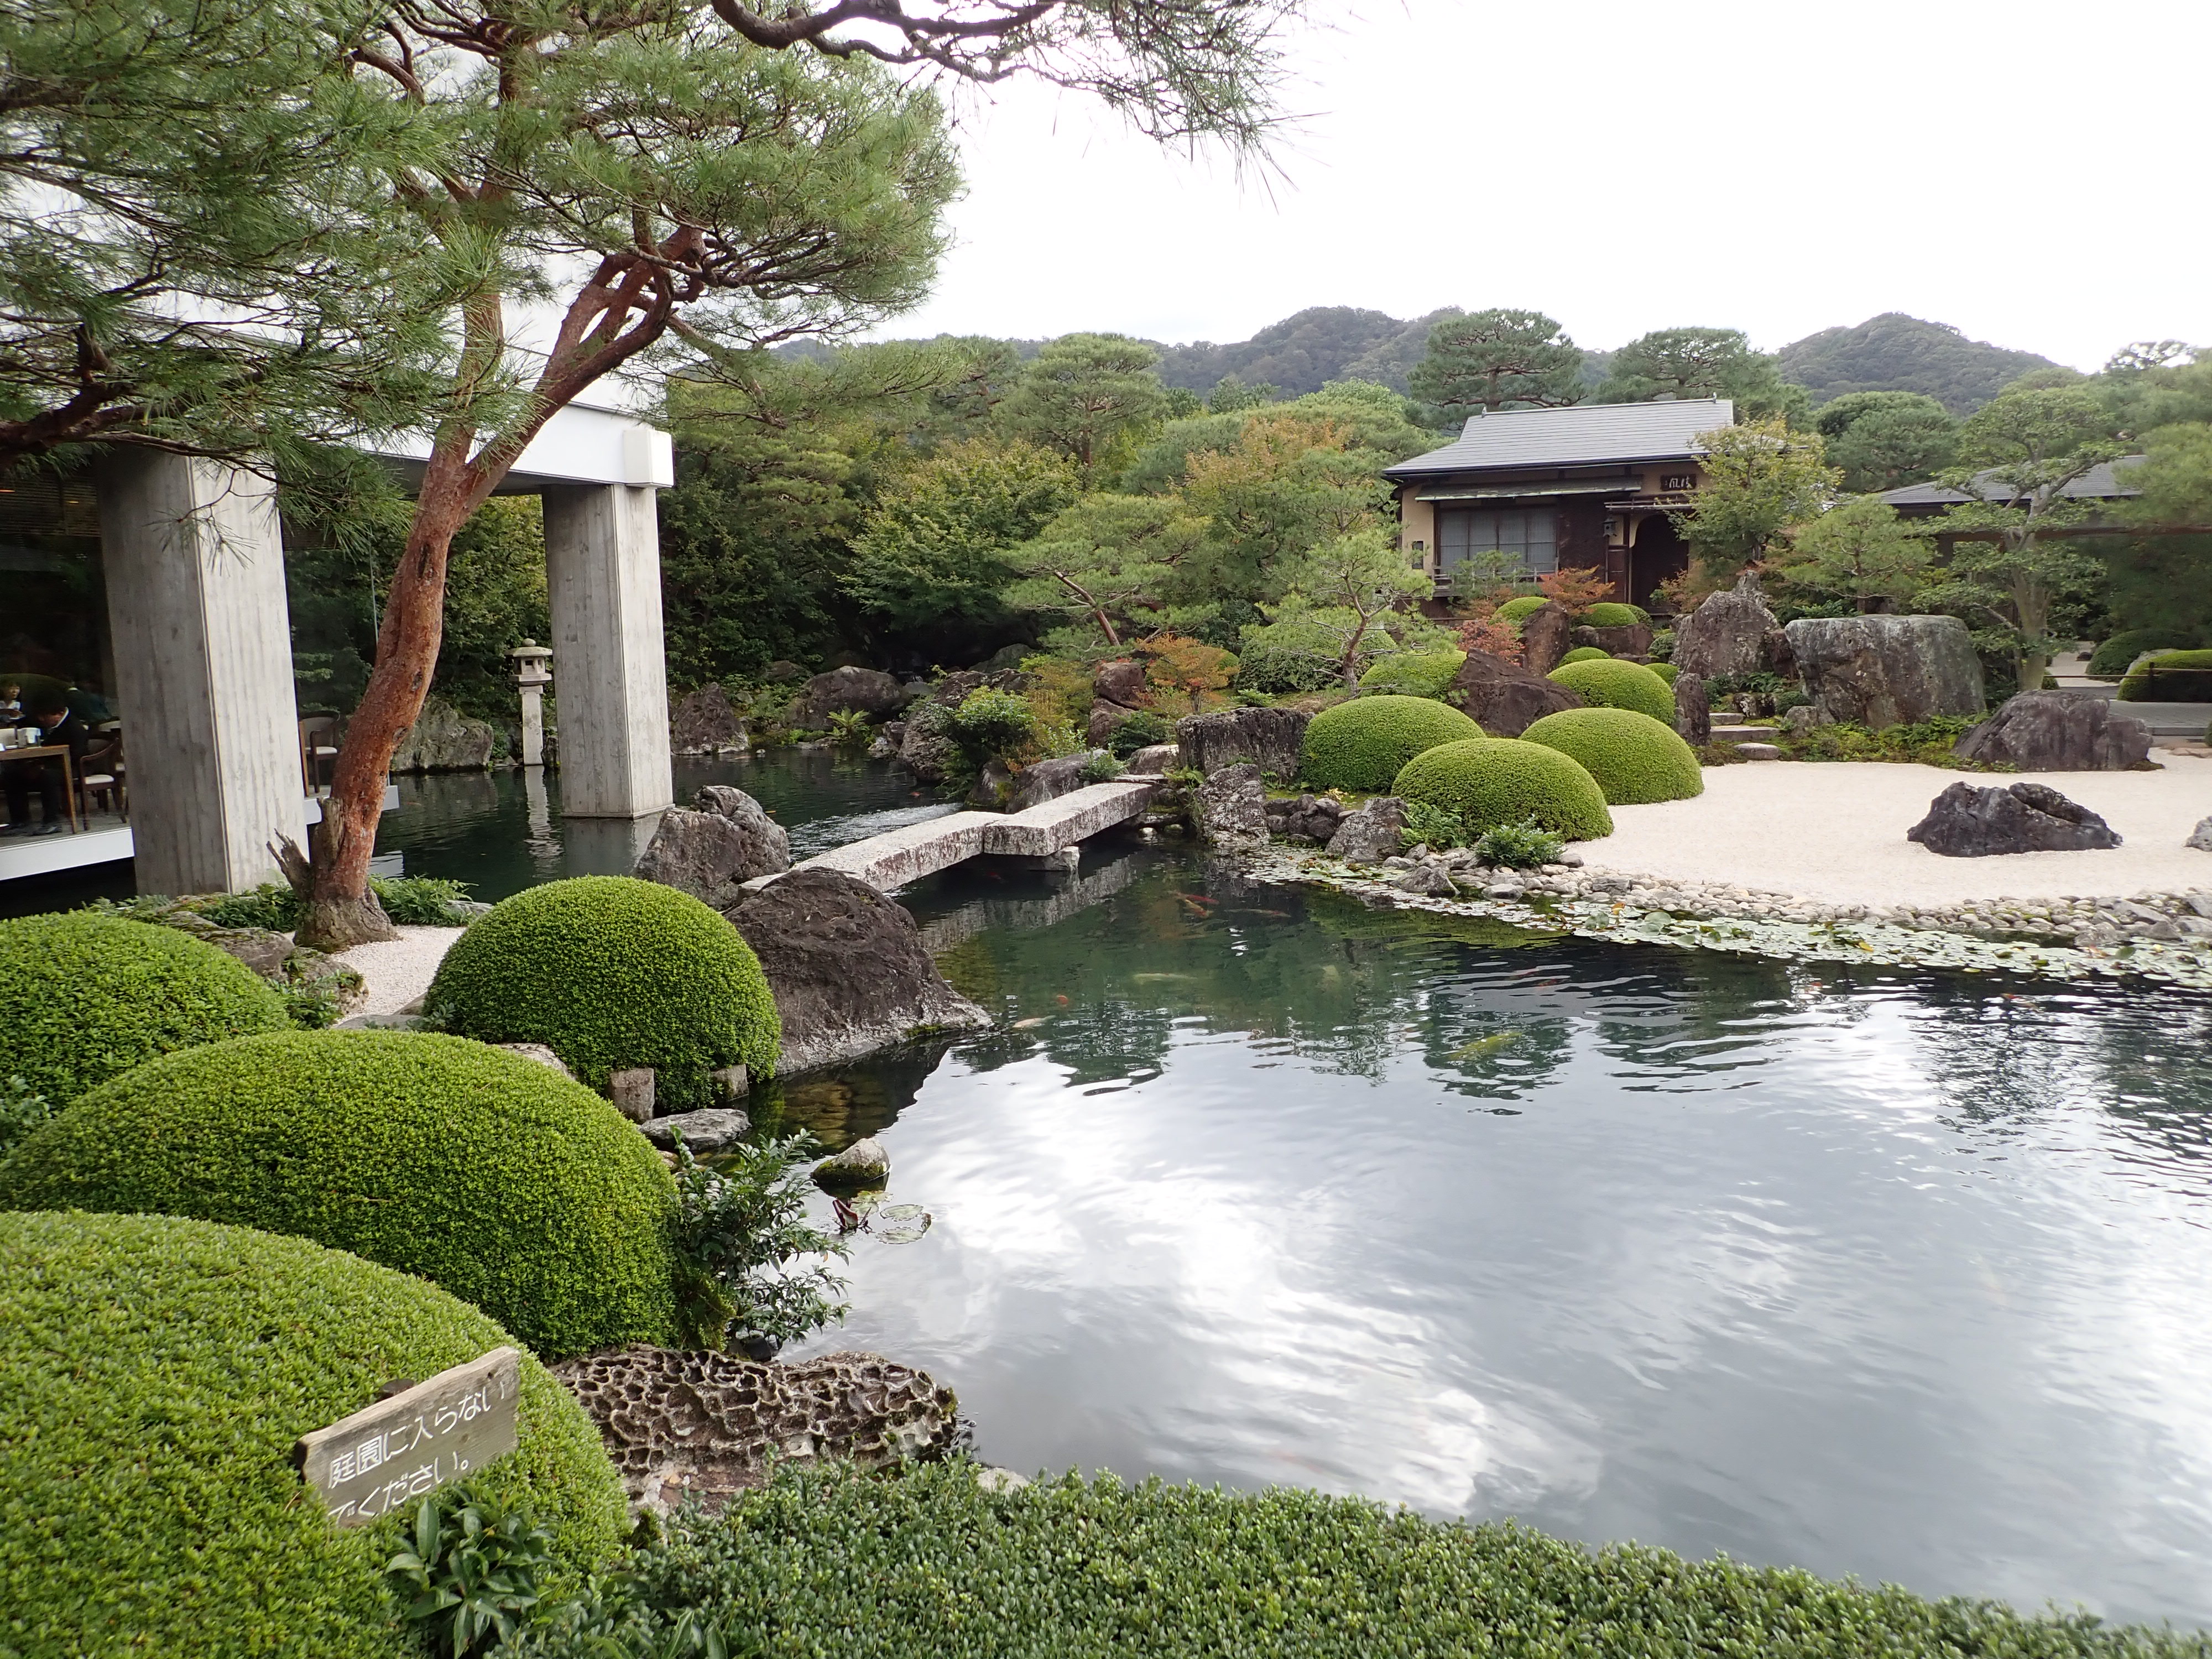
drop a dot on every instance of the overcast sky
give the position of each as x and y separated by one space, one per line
2031 173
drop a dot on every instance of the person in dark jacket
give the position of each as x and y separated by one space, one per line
57 726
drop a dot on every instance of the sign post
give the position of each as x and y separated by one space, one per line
419 1439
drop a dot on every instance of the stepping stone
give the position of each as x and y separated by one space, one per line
1758 751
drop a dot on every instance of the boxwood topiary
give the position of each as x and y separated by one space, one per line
1490 781
1362 744
486 1173
1608 613
1413 673
1617 684
1634 759
1665 671
1586 654
159 1370
2170 677
2110 659
88 996
610 972
1517 611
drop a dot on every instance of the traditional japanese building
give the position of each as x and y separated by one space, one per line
1592 487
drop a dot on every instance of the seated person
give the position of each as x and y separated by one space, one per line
55 725
12 703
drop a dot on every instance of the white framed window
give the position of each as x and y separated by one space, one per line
1529 535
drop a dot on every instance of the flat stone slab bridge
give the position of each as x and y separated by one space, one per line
1047 832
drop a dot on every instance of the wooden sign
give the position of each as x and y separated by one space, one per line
391 1452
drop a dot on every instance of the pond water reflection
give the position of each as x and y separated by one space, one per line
1898 1275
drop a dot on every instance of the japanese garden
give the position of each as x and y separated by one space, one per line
687 972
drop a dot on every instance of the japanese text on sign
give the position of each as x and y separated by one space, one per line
398 1449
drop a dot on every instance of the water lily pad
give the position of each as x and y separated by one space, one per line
900 1223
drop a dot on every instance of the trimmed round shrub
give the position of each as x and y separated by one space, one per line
1665 671
1613 684
1361 745
1413 673
1606 613
1586 654
1490 781
611 973
1634 759
1517 611
2170 677
160 1370
490 1175
2110 659
88 996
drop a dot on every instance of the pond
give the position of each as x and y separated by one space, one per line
1894 1274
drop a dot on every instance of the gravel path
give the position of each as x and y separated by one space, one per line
1835 831
400 970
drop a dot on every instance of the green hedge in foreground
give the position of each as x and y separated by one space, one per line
929 1564
154 1374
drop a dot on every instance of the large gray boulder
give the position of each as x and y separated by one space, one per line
1504 698
847 690
1372 834
2058 731
705 722
1272 740
444 739
1048 780
1121 682
846 966
1232 807
1967 822
1727 633
2200 838
1633 640
726 839
1877 671
1693 710
1546 633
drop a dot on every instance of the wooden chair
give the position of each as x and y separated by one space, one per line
102 776
318 741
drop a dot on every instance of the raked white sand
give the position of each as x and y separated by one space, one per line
399 970
1835 831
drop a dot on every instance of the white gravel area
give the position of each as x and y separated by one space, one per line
1835 831
399 970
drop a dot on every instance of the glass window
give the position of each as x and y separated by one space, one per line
1527 535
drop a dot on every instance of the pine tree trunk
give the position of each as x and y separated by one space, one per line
340 909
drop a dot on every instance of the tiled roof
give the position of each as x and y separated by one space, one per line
1581 436
2100 482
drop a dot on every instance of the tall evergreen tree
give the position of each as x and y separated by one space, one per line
1496 359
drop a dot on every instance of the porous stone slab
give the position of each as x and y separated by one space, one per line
1877 671
2058 731
1967 822
1727 633
1272 739
703 1427
707 1131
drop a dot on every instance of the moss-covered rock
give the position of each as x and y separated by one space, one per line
1413 673
1490 781
1362 744
487 1174
1616 684
612 973
1634 759
158 1373
88 996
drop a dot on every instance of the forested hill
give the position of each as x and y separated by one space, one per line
1897 353
1305 352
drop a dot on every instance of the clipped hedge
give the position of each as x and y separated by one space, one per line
2170 677
1634 759
930 1563
487 1174
1413 673
1665 671
1490 781
158 1371
1608 613
1586 654
610 972
88 996
2112 657
1517 611
1361 745
1617 684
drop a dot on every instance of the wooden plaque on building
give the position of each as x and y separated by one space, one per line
422 1438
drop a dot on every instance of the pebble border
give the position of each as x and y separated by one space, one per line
2152 936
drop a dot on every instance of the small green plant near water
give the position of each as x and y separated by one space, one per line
1101 768
1521 845
1140 731
849 728
409 901
471 1577
1428 824
991 724
740 1225
23 1108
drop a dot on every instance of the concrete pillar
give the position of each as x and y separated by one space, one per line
203 669
609 663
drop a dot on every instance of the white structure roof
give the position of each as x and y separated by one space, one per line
1580 435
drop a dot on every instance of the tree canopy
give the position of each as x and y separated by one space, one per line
1496 359
1700 362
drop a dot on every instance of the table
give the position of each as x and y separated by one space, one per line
39 751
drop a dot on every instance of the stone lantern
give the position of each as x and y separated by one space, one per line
531 676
